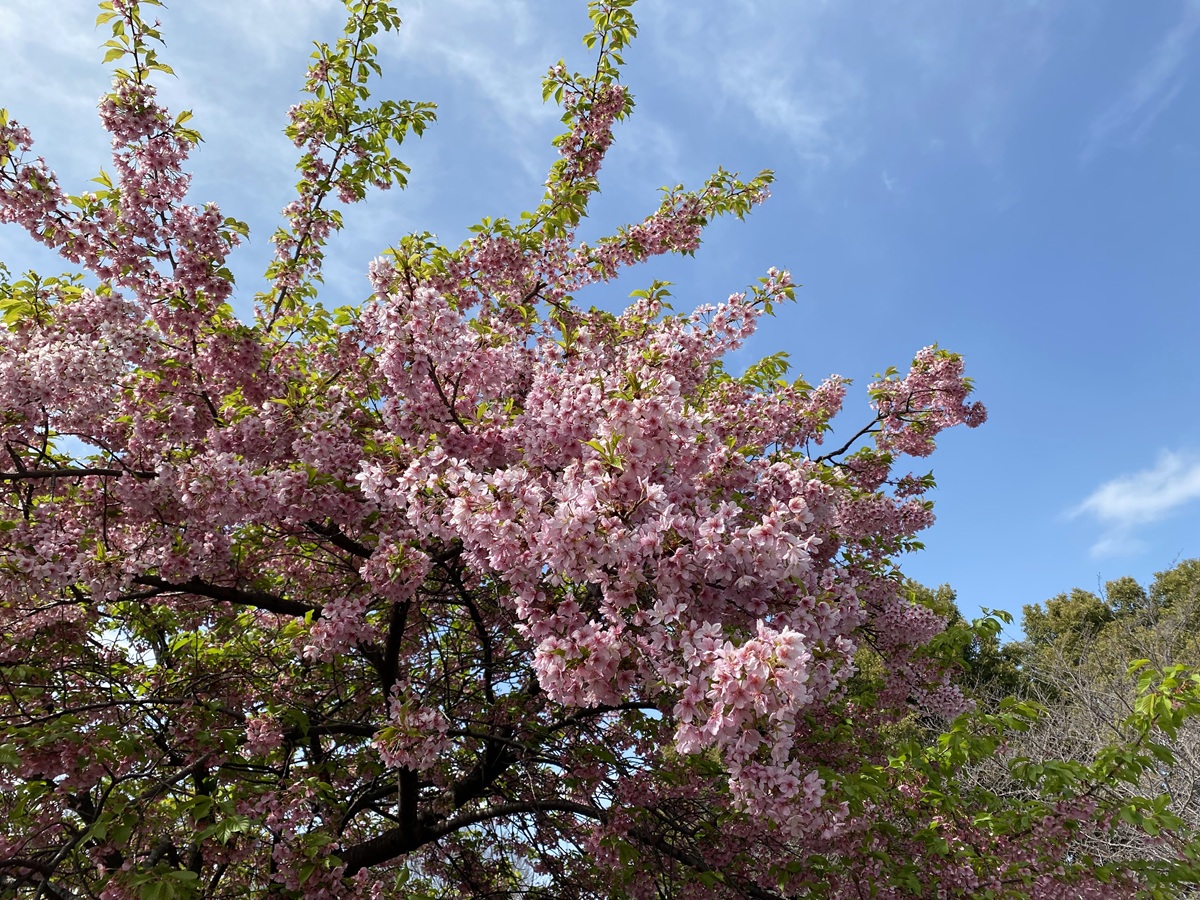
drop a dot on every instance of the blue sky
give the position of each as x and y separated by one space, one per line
1016 180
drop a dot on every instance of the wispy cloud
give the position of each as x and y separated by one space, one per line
1151 90
838 89
765 61
458 39
278 31
804 115
1141 498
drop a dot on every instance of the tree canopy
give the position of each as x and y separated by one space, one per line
469 589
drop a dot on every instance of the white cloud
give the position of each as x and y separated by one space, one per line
1152 89
804 115
839 89
1140 499
275 30
765 60
499 51
1117 544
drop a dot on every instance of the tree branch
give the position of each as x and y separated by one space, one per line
237 596
340 539
72 472
398 841
696 863
865 430
353 729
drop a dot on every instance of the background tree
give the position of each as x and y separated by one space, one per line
1100 635
1066 627
1086 659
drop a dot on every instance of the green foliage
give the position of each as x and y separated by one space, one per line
1116 678
28 299
1176 587
349 147
131 35
1125 596
983 667
1067 623
1102 635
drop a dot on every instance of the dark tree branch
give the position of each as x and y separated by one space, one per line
415 830
398 841
410 797
449 404
334 534
237 596
862 432
365 800
697 864
390 668
592 712
498 756
72 472
353 729
43 883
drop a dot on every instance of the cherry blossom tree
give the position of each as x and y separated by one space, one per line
467 590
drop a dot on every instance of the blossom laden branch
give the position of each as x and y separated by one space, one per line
347 148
